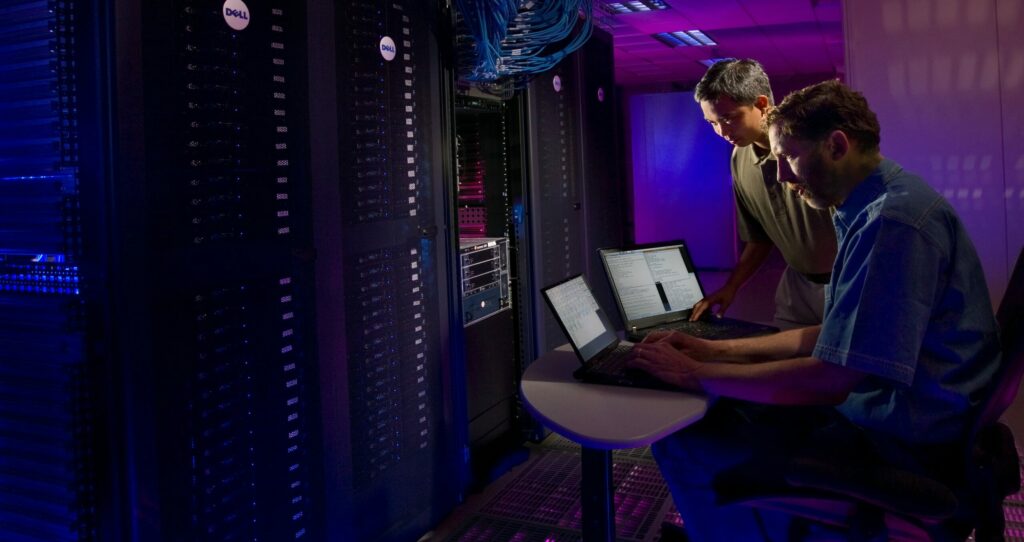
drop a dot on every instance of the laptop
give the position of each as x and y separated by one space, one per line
656 286
602 355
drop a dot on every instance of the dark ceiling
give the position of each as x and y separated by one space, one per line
791 38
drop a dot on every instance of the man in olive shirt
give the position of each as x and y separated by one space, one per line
735 97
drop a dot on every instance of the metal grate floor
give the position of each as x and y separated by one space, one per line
539 501
1013 509
489 529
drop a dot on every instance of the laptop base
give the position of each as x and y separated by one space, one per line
713 328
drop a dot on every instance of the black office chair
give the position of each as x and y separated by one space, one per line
873 503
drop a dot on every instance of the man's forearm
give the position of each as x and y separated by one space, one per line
793 343
753 255
799 381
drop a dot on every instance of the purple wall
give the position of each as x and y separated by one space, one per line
682 188
950 108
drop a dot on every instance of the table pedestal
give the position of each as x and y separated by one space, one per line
597 495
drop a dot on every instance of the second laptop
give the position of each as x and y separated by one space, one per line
656 286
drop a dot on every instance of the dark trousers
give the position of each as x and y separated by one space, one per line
758 441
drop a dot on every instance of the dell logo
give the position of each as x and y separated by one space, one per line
236 14
388 50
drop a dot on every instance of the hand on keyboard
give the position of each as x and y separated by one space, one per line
666 363
694 347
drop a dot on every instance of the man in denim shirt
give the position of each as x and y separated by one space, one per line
907 347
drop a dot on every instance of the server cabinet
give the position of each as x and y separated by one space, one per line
555 191
394 420
576 203
601 175
51 415
157 377
489 199
211 270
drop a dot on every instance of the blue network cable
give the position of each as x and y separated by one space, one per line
515 39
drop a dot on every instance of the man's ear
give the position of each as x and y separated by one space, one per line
838 145
761 102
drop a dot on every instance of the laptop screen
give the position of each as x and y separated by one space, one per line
653 282
580 317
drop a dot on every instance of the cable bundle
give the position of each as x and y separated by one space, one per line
518 38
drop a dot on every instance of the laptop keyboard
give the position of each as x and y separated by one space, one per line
614 362
612 369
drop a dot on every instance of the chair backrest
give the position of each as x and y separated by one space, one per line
1010 317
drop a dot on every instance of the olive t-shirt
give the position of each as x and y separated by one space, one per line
767 211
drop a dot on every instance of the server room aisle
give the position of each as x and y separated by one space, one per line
539 501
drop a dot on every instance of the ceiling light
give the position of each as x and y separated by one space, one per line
693 38
701 37
634 6
686 38
669 39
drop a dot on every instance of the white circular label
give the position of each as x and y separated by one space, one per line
600 94
557 83
388 50
236 14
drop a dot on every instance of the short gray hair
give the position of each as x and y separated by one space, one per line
741 80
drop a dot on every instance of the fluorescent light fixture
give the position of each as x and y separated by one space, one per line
669 39
615 8
634 6
701 37
692 38
686 38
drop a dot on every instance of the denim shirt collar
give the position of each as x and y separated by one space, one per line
862 195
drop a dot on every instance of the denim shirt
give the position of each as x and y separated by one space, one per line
908 306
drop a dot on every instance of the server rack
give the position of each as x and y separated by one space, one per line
211 269
157 378
602 177
490 188
555 196
394 417
51 415
575 194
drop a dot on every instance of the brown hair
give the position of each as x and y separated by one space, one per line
813 112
